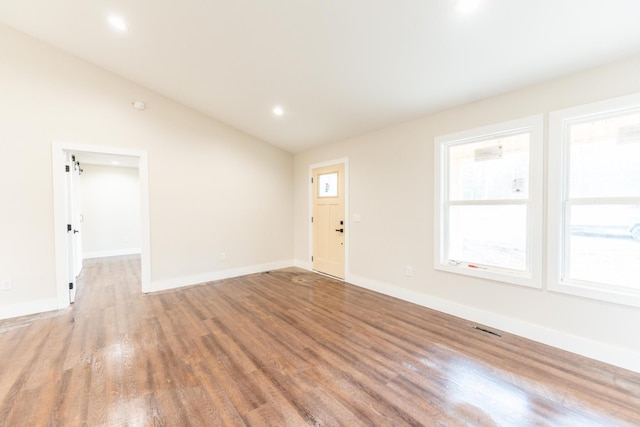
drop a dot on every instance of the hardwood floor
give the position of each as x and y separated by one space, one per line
286 348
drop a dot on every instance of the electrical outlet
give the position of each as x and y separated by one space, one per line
223 255
5 284
408 271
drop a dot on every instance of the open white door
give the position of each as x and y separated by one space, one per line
76 217
74 220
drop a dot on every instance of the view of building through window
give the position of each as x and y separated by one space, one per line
603 203
490 211
488 192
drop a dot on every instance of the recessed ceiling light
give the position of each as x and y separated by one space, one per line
118 23
467 6
278 111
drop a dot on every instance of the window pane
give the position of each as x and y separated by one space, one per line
605 157
605 244
328 185
493 169
489 235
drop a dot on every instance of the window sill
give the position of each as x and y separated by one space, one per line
495 274
604 293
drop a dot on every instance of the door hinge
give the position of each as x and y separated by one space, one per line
70 286
311 258
312 219
69 227
67 168
312 180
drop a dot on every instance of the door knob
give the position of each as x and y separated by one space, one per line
340 230
75 231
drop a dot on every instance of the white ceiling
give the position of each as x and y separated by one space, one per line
339 68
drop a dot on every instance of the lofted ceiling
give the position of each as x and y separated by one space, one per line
338 68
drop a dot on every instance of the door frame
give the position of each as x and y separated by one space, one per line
59 149
345 162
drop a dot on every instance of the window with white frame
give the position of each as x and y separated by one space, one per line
488 187
594 200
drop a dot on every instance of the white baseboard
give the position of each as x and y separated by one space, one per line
304 265
31 307
179 282
612 355
116 252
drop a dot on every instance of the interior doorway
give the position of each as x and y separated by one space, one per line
66 216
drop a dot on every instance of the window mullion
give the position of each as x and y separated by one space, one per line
605 201
488 202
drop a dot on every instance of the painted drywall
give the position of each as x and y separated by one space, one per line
392 189
110 211
211 187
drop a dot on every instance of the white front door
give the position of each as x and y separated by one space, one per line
329 220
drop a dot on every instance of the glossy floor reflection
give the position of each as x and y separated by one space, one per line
286 348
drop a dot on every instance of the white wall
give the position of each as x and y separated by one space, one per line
110 211
211 187
391 186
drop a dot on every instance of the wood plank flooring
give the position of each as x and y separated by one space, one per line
286 348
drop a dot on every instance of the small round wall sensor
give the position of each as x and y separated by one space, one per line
138 105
